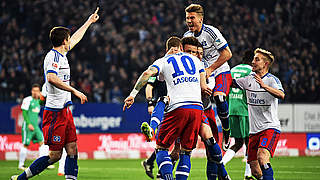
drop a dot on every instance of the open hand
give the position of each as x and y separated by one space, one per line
128 102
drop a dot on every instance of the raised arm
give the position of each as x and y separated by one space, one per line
225 55
77 36
143 79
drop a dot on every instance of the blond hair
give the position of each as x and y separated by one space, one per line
195 8
266 54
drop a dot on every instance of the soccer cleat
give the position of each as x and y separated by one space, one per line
14 177
23 167
60 174
227 177
148 168
248 178
51 166
147 131
225 139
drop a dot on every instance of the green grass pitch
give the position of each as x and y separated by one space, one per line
285 168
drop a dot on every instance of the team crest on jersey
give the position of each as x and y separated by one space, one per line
204 43
55 65
56 138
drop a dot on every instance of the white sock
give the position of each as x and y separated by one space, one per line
228 156
43 150
62 162
247 172
22 155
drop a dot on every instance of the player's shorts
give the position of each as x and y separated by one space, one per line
212 122
223 82
58 128
35 136
239 126
267 139
182 122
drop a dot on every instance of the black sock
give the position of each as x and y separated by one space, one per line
152 158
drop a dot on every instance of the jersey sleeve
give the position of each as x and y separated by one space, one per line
241 82
159 65
53 64
26 103
276 83
218 40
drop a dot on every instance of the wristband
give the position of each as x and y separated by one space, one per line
134 93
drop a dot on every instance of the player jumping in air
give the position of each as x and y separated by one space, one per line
216 54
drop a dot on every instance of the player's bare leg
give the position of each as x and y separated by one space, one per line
255 169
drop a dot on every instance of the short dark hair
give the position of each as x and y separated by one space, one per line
190 41
58 35
173 42
248 57
36 85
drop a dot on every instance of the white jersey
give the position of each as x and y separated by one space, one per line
212 42
262 106
57 63
181 73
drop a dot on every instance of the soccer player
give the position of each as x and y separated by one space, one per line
58 126
185 78
30 129
263 92
154 90
216 55
238 109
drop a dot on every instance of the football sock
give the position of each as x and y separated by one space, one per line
43 150
151 159
212 170
267 172
215 155
71 167
157 115
247 172
22 155
62 161
184 166
35 168
228 156
223 113
164 164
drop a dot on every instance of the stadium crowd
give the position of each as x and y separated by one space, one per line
130 35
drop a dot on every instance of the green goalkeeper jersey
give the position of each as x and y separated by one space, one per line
237 97
32 108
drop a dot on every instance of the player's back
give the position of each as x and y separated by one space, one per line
237 97
181 72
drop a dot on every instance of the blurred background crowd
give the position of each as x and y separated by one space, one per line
131 34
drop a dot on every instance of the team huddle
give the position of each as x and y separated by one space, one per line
191 78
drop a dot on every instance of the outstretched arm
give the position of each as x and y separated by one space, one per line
143 79
77 36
